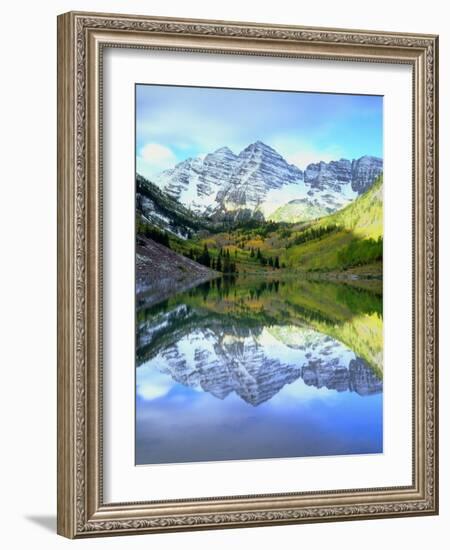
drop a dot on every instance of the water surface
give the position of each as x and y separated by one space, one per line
250 368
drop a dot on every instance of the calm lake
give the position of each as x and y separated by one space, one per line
250 368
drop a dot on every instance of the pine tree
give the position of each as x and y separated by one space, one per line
226 264
205 258
219 264
276 264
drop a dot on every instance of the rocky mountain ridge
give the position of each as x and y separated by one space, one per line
259 181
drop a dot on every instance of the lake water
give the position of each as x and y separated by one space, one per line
250 368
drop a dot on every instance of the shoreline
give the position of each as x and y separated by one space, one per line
156 291
160 290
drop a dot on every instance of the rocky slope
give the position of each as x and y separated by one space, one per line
259 181
364 172
160 272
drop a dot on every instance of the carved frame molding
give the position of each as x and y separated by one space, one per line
81 39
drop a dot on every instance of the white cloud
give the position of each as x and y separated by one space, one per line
156 153
154 158
151 384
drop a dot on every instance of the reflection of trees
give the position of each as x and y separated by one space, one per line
347 314
222 287
359 300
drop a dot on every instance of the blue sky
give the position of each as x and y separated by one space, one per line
174 123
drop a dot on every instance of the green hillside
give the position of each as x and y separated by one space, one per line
353 237
364 216
348 240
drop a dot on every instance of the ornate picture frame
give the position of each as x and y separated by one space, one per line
82 38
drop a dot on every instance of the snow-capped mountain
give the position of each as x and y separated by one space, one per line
195 183
260 181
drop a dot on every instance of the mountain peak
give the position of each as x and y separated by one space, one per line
262 149
260 145
367 158
223 150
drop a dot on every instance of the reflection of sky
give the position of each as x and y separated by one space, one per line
289 345
180 424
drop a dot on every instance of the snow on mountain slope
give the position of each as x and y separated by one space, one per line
259 180
195 183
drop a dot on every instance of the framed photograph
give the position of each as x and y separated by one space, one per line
247 283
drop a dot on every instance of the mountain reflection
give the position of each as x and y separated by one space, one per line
224 339
256 365
248 368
